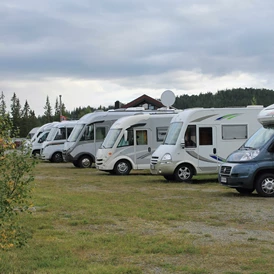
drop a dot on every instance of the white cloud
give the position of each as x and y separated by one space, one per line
97 52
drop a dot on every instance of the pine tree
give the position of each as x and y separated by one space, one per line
57 110
3 106
25 126
48 111
15 115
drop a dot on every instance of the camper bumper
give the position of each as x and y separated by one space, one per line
162 168
103 164
237 175
67 157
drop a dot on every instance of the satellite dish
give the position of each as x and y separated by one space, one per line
168 98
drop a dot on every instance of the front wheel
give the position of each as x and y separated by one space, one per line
122 167
57 157
265 185
183 173
36 153
85 162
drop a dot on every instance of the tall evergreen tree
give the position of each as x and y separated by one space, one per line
26 110
48 111
25 123
15 115
57 110
3 106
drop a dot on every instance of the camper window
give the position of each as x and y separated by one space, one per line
61 134
205 136
129 141
89 133
190 136
161 133
141 137
100 133
69 130
231 132
43 137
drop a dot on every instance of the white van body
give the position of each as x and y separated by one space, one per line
32 133
89 133
39 137
214 133
131 141
52 147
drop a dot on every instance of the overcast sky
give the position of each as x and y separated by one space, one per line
96 52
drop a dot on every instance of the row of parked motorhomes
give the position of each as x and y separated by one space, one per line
236 143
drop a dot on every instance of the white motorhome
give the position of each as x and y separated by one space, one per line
52 147
39 137
89 133
199 139
32 133
131 141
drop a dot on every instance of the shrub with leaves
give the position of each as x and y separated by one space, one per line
16 177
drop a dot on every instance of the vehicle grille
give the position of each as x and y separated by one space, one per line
99 162
154 160
225 170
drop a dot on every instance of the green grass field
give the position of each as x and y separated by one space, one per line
87 221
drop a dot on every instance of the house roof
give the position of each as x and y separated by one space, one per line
144 99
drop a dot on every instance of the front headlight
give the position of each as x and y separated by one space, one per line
249 155
167 157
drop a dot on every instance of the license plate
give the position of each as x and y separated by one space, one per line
152 166
223 179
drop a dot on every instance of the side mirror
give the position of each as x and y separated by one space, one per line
183 143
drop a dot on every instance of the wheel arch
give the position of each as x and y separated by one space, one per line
80 155
51 158
124 158
259 173
188 164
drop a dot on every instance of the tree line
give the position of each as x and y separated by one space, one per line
24 119
237 97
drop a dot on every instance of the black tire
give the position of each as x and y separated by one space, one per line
57 157
244 191
36 153
122 167
265 185
169 177
183 173
75 163
85 162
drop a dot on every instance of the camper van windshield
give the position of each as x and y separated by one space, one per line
43 137
111 138
173 133
259 138
52 134
75 133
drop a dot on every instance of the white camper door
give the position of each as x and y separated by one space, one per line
142 146
207 149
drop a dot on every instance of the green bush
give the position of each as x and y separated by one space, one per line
16 179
